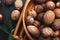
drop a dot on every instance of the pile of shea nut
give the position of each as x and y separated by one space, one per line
43 22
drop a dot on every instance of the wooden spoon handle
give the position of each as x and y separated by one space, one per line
21 34
20 18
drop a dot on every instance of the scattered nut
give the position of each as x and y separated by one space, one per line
56 24
36 23
29 20
57 12
1 17
39 1
15 15
56 33
49 17
40 16
47 31
39 8
32 13
33 30
50 5
18 4
58 4
8 2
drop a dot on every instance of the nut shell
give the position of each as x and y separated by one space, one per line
15 15
37 23
39 8
49 17
32 13
1 17
40 16
18 4
29 20
56 33
50 5
57 12
58 4
40 1
33 30
47 31
56 24
8 2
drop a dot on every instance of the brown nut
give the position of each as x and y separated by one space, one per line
36 23
15 15
56 33
49 17
40 16
39 1
56 38
58 4
57 12
29 20
32 13
18 4
39 8
33 30
1 17
42 38
47 31
56 24
50 5
8 2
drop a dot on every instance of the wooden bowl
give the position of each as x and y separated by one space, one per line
29 7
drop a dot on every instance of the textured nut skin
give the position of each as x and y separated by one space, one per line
1 17
29 20
8 2
49 17
39 8
58 4
57 12
47 31
33 30
56 24
56 33
15 15
36 23
18 4
50 5
32 13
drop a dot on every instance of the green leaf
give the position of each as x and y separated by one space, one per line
11 38
2 28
